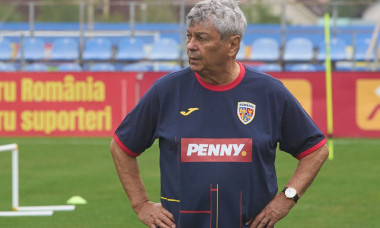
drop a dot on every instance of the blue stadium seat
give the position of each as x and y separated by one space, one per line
265 49
6 67
311 33
349 66
131 50
34 49
36 67
73 67
65 49
349 69
164 49
269 67
300 67
102 67
360 50
5 49
337 50
97 49
298 49
138 67
168 67
241 54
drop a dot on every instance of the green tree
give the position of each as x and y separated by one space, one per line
349 8
164 12
258 12
10 13
58 12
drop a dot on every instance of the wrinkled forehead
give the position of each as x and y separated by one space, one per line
205 21
206 27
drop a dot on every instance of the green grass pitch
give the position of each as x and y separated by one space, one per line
345 194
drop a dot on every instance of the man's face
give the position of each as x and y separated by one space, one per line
206 51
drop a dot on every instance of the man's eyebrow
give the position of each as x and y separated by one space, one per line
200 33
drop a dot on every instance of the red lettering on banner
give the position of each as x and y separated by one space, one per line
216 150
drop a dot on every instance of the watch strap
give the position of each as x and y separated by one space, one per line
295 198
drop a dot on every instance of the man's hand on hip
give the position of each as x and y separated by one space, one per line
278 208
154 215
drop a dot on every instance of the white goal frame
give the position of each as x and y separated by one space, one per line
26 210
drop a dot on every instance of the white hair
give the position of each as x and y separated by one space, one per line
225 15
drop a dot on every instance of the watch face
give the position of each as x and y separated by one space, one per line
290 192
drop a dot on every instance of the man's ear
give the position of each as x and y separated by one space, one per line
234 45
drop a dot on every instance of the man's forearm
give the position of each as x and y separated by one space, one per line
129 174
307 169
151 214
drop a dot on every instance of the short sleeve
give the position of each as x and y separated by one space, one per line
300 136
137 131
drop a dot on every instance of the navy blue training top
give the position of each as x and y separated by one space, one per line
218 143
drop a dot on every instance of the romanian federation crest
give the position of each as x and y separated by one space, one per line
246 112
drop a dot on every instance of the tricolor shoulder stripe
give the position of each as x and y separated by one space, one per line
312 149
123 147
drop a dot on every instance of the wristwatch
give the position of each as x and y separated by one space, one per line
291 193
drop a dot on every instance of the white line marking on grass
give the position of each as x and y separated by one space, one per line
63 141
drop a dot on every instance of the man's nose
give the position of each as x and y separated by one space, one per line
191 44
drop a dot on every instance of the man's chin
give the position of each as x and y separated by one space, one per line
195 68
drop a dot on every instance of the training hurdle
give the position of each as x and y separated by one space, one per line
26 210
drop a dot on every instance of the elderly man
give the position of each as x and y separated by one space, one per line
218 124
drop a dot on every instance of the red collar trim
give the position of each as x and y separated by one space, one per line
223 87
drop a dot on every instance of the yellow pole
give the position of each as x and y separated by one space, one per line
330 141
